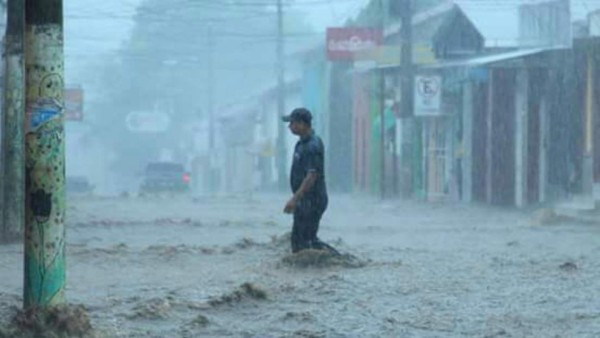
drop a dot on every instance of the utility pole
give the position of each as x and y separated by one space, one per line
382 179
210 89
588 152
211 109
407 88
13 150
281 151
407 75
382 132
44 282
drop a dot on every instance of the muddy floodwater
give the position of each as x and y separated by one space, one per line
175 267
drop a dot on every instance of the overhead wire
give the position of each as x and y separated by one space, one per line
266 3
159 16
249 13
156 16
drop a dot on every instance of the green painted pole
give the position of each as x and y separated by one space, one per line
13 153
44 155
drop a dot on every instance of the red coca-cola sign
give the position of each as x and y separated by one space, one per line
342 43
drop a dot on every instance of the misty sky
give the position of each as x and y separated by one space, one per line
97 28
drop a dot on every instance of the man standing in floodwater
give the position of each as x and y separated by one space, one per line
307 180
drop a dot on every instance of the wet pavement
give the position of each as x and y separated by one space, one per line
173 267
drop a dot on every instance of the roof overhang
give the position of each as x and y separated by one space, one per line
503 59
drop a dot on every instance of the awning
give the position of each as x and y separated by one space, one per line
491 59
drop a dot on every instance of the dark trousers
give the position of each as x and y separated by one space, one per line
305 228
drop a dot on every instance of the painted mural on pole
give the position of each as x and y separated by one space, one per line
45 167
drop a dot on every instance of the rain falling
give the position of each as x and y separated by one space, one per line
300 168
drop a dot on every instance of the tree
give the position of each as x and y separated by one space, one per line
164 66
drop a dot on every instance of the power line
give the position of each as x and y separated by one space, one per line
271 3
159 17
245 7
268 35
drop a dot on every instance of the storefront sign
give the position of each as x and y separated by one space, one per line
343 43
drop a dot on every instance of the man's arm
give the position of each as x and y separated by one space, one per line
307 184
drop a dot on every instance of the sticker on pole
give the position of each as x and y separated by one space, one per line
42 112
428 95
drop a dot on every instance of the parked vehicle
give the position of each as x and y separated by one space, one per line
79 185
164 177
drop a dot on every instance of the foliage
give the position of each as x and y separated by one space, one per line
164 66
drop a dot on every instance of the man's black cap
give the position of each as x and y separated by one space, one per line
299 114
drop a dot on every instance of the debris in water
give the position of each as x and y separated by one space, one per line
115 249
200 321
569 266
502 332
171 250
322 259
547 217
106 223
207 251
308 334
154 309
227 251
246 243
270 223
299 316
282 241
245 291
55 322
173 221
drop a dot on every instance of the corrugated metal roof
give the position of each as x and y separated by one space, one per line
490 59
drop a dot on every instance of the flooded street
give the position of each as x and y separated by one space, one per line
172 267
167 137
